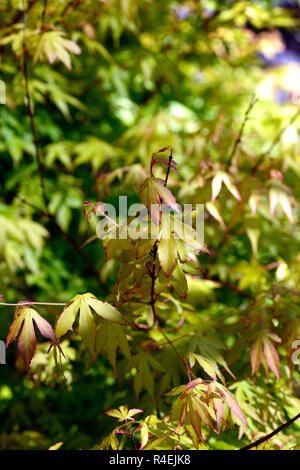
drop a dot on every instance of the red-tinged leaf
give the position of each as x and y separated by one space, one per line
274 199
272 357
44 327
256 355
27 340
201 409
253 203
114 413
165 194
274 337
218 406
133 412
231 402
15 327
163 161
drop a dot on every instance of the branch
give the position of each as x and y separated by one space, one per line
274 143
68 239
238 140
273 433
153 274
45 212
71 3
30 111
44 15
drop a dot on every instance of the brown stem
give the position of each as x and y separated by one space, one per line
274 143
44 14
153 274
273 433
46 212
30 110
241 131
170 343
130 435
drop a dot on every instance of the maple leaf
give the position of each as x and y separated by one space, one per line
156 158
112 337
179 282
154 191
54 45
87 326
144 377
264 344
215 213
217 181
122 413
27 338
277 196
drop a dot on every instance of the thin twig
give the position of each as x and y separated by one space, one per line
44 15
238 140
71 3
273 433
275 142
29 302
68 239
30 111
170 343
46 211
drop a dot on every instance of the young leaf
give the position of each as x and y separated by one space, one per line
27 338
53 44
272 357
111 337
87 325
167 254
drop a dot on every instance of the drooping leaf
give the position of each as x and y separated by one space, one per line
111 338
27 339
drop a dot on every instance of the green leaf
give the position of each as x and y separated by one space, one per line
167 254
110 338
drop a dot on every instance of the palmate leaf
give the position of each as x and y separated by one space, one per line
179 282
202 402
87 324
156 158
54 45
27 338
263 344
110 338
144 377
122 413
154 192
